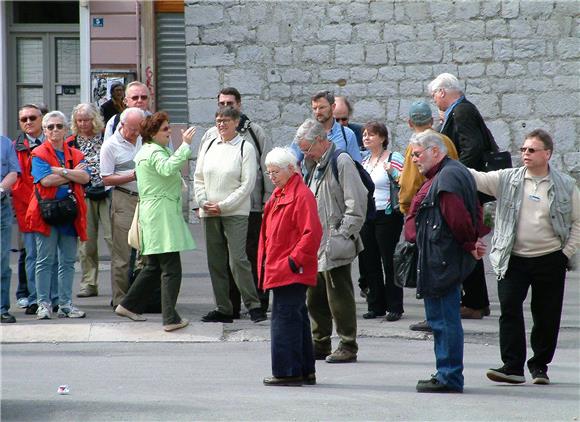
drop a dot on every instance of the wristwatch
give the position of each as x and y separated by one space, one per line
64 172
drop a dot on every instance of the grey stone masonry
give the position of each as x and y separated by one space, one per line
518 60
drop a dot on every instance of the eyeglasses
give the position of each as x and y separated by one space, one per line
272 173
226 103
418 154
24 119
223 122
523 150
341 119
308 150
58 126
136 97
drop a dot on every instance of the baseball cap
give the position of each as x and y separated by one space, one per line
420 113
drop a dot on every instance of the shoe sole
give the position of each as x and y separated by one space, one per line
510 379
131 315
173 327
340 361
540 381
87 295
43 317
72 317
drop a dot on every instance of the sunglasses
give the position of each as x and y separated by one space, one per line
24 119
58 126
165 129
420 153
341 119
523 150
136 97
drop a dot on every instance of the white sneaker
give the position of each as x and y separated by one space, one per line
70 312
43 311
22 302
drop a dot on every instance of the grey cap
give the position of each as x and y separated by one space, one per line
420 113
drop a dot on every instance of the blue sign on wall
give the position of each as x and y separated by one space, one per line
98 22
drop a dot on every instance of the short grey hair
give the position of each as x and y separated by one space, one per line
131 111
428 139
281 157
309 131
52 115
445 81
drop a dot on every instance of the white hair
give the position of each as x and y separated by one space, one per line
54 114
445 81
428 139
309 131
281 157
131 111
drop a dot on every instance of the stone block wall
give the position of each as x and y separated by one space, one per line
518 60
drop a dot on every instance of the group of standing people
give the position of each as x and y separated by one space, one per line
292 220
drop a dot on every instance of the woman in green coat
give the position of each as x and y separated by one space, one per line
163 232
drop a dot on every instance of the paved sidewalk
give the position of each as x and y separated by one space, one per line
196 299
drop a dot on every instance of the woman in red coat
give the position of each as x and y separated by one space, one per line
287 257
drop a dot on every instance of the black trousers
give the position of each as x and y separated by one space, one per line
546 275
380 237
291 345
475 288
252 240
166 266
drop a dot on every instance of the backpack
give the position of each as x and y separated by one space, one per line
365 178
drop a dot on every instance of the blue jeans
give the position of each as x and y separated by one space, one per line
30 247
291 339
5 237
47 248
445 320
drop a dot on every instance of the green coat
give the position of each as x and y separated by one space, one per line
162 226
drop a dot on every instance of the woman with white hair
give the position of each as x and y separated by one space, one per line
287 262
87 127
59 173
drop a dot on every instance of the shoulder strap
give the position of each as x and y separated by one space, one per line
255 138
333 162
210 144
344 136
116 121
242 147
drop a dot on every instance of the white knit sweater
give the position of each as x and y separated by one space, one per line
226 175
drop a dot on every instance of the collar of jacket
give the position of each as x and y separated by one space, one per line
287 193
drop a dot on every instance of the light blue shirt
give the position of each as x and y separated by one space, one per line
350 145
8 157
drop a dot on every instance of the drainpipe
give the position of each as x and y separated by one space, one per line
85 50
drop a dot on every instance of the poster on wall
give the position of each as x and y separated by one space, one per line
102 81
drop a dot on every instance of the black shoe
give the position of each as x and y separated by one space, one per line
258 315
539 376
216 316
421 326
284 381
7 318
31 309
321 355
434 386
373 314
55 308
393 316
310 379
236 315
504 374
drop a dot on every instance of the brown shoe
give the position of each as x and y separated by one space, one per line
341 356
172 327
469 313
87 293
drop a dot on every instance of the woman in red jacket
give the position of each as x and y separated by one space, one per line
287 262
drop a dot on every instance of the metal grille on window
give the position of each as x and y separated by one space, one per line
171 66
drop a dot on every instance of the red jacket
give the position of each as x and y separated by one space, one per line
22 189
290 228
33 218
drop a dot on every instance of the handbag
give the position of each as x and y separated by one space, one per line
96 193
56 212
394 190
405 264
134 237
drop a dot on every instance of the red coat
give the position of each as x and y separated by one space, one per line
290 228
33 218
22 189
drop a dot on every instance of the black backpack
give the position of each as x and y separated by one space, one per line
365 177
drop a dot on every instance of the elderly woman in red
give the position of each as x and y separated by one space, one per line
59 172
287 262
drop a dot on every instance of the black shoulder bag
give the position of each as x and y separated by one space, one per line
56 212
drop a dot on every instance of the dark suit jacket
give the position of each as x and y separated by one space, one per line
358 130
468 131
